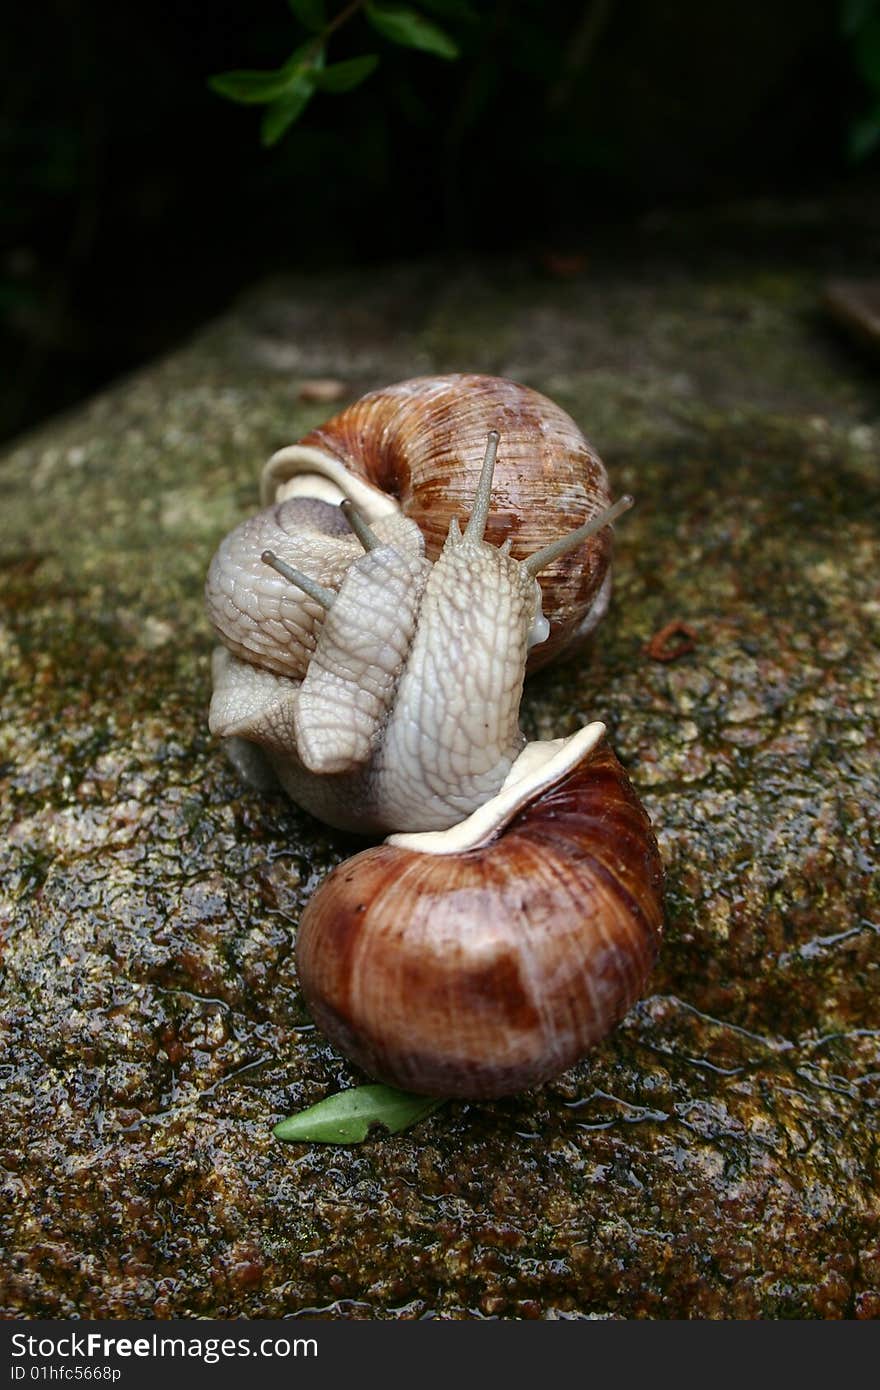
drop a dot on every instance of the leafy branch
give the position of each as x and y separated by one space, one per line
286 91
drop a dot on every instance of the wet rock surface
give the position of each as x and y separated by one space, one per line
716 1157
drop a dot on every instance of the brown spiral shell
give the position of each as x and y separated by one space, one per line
422 441
482 973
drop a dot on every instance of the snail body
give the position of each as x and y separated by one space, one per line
378 619
449 640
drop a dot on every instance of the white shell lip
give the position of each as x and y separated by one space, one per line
298 470
540 766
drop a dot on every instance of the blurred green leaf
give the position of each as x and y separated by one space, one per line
311 13
863 137
412 30
281 115
252 88
347 1117
854 13
342 77
260 88
866 51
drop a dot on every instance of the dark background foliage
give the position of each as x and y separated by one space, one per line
136 202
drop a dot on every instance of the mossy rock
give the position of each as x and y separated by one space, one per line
716 1157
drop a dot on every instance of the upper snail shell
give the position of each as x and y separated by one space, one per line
384 687
421 443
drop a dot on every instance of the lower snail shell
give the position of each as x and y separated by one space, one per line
483 972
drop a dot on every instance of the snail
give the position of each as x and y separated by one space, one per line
482 960
378 618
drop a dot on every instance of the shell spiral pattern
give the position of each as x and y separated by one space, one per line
482 973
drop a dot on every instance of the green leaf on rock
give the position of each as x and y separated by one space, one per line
342 77
408 27
348 1117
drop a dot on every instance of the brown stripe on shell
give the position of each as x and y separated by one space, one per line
423 442
483 973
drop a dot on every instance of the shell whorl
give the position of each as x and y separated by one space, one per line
422 442
481 973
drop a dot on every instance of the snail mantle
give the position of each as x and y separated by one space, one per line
418 555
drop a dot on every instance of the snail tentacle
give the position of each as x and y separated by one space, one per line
476 526
326 597
359 525
533 564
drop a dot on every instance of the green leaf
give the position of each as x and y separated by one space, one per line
260 88
854 13
408 27
347 1117
311 13
281 115
251 88
342 77
863 137
866 51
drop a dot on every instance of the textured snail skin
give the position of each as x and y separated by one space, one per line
261 618
482 973
399 709
385 687
421 442
408 716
